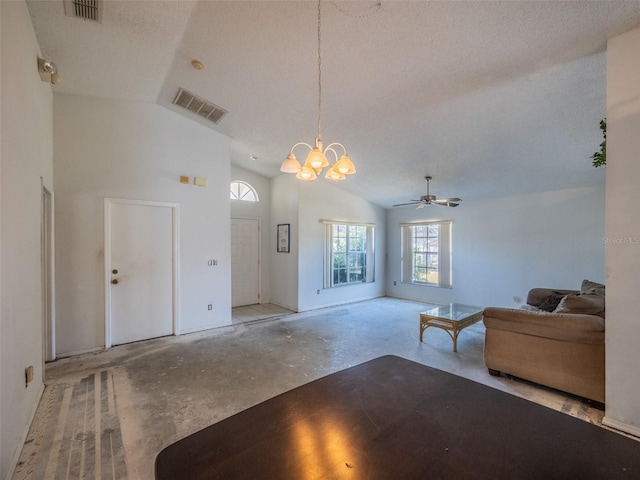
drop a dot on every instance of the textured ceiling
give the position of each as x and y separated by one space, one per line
490 98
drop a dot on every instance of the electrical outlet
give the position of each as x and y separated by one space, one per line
210 306
215 263
210 263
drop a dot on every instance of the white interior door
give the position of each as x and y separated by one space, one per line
245 261
140 266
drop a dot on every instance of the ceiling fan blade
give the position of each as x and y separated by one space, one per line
428 199
450 202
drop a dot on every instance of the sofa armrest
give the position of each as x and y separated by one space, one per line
537 296
570 327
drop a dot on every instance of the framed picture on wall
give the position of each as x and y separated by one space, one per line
284 237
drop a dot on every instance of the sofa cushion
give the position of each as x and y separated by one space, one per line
552 301
588 287
589 304
537 296
560 326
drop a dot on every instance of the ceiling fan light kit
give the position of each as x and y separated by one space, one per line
317 160
429 199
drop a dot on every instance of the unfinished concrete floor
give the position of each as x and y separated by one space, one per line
108 415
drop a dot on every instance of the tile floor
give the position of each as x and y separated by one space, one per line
253 313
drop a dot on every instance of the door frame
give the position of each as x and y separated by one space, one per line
47 245
259 220
175 280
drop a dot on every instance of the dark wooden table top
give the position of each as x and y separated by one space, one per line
391 418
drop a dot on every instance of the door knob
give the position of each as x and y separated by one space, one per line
114 271
114 281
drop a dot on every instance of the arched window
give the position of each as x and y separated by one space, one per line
243 191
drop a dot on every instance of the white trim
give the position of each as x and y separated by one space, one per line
75 353
424 222
48 275
253 190
175 225
327 258
204 328
343 222
623 427
15 458
407 253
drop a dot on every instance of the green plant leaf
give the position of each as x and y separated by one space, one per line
600 158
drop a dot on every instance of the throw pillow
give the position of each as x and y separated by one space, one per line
589 287
590 304
552 301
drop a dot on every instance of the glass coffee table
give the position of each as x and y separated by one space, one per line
451 318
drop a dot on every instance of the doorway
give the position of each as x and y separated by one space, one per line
141 270
245 261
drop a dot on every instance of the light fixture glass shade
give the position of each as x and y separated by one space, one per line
345 165
290 164
316 159
333 174
306 173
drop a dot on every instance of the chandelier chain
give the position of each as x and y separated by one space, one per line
317 160
319 76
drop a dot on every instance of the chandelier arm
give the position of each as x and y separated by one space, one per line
301 143
335 154
344 150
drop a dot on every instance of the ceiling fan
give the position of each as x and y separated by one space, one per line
431 199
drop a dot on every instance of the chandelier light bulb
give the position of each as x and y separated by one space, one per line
306 173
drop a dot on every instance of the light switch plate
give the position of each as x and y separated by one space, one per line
200 181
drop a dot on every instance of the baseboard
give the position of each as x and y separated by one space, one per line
202 328
23 438
623 427
60 356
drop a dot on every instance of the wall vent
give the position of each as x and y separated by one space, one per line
199 106
85 9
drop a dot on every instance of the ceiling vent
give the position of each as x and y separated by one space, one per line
85 9
199 106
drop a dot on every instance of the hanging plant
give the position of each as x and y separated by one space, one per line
600 158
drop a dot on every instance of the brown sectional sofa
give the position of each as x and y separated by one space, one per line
562 348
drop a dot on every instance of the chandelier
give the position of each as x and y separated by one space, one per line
317 158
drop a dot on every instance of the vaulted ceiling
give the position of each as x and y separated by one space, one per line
490 98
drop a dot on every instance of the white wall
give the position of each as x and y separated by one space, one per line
297 276
321 200
107 148
505 246
623 233
261 211
26 157
284 266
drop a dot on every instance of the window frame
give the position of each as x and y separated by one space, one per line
444 253
250 190
329 254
